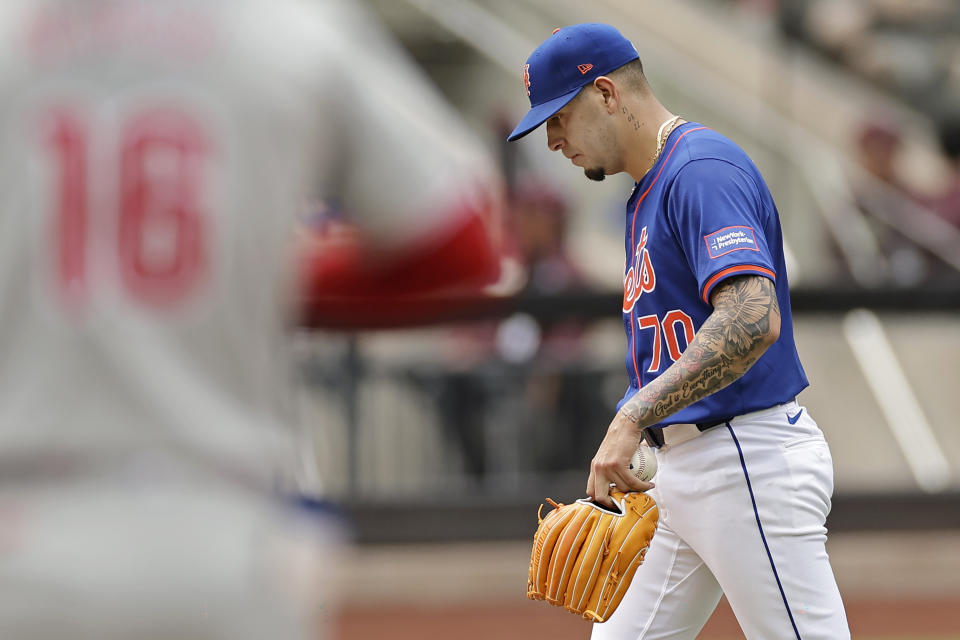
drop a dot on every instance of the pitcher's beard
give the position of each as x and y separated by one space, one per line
597 174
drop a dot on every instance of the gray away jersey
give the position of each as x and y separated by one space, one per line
152 158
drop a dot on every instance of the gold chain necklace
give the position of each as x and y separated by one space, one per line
662 138
669 125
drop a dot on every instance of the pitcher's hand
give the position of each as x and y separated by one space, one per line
611 464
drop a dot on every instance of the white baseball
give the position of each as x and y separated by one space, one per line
643 464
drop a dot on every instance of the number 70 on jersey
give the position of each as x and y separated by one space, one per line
669 329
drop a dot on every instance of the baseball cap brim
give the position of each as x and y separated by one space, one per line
541 113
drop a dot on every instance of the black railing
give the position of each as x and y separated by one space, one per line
604 305
490 511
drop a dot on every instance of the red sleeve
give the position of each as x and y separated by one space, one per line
357 286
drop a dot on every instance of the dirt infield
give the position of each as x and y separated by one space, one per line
869 620
896 586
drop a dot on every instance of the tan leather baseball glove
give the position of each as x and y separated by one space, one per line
584 555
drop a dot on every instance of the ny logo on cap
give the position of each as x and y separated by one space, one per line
584 68
526 78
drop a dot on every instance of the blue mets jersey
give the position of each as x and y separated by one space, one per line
703 213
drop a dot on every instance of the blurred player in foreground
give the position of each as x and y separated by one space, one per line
154 156
745 475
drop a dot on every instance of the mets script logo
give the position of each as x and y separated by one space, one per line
526 77
640 277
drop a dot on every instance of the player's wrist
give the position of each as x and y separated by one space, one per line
631 414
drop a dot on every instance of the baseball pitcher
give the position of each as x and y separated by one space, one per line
745 475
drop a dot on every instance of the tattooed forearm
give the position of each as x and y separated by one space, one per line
745 321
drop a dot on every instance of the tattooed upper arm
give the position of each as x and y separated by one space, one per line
750 313
745 321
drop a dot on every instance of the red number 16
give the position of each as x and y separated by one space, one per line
160 236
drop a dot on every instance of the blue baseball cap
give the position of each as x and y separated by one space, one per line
567 61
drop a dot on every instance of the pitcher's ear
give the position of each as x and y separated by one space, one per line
609 91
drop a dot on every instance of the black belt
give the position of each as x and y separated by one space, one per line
654 435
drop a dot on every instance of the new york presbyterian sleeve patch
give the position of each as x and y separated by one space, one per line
729 239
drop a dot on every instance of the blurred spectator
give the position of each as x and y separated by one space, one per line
531 365
893 206
535 241
909 49
538 226
947 202
878 146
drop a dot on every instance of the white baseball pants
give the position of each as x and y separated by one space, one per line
130 562
742 512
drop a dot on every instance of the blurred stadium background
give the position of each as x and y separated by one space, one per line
442 441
